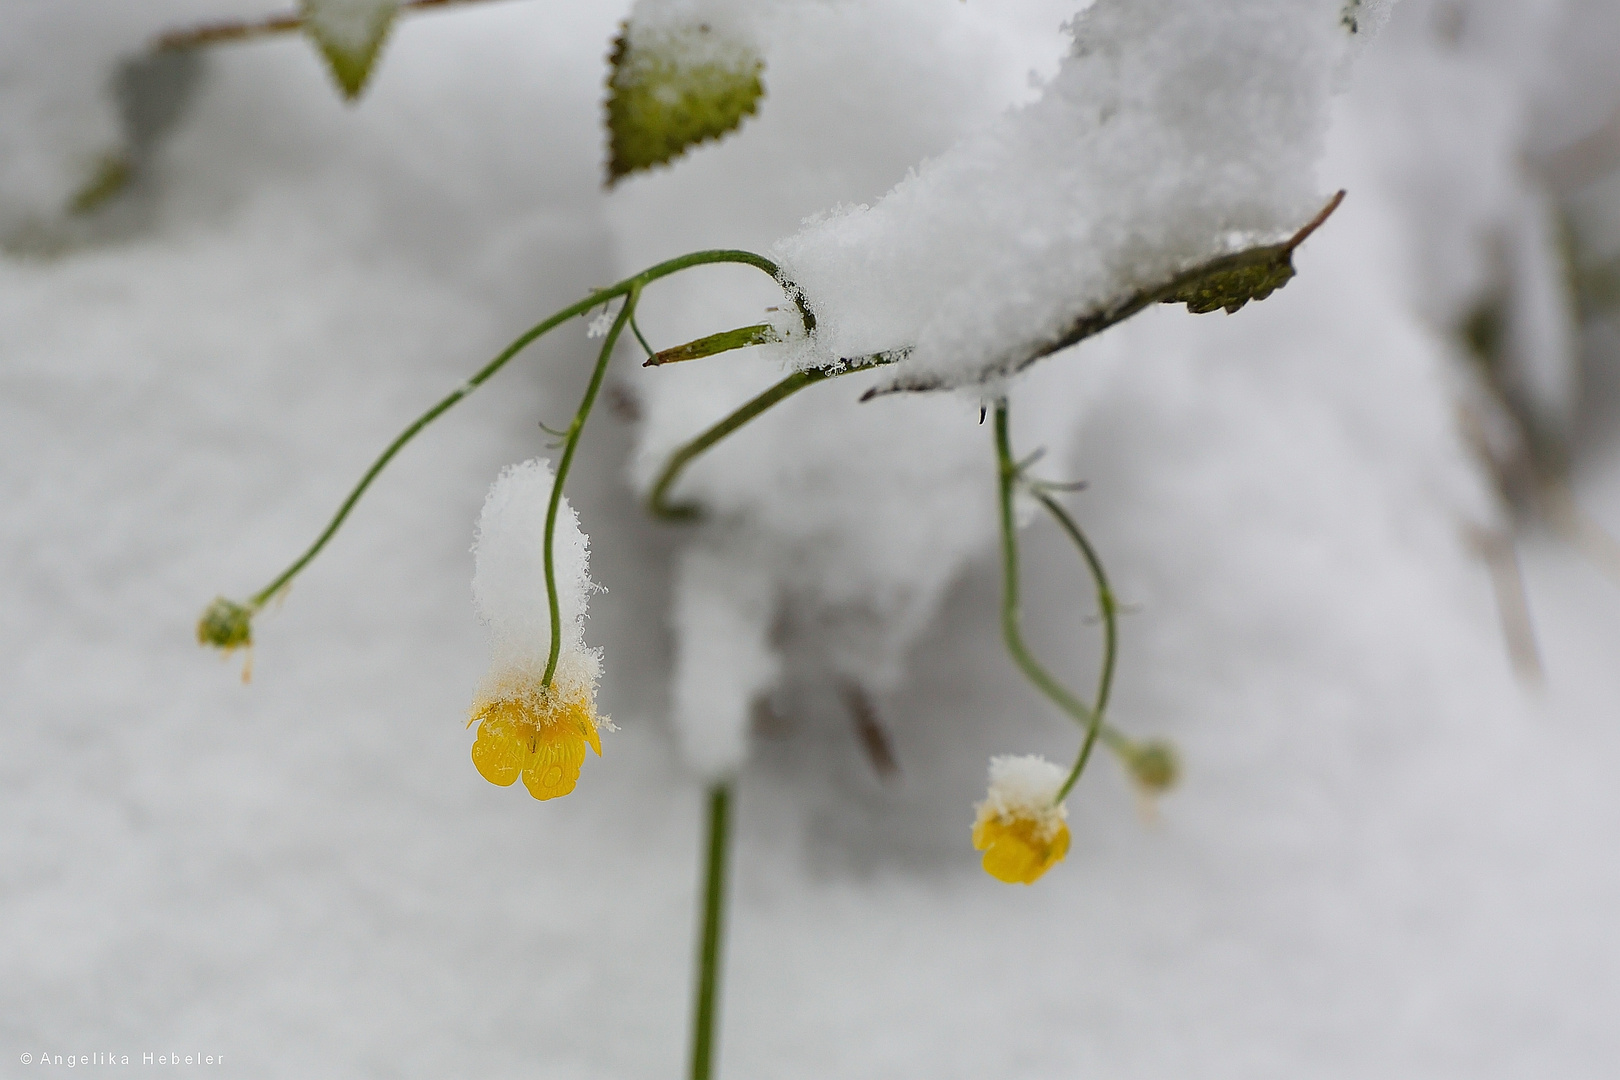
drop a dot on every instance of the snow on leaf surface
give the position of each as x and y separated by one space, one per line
673 87
1228 282
350 34
1172 136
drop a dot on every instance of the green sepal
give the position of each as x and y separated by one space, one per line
664 98
350 34
725 341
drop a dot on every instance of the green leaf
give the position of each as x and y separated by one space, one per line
350 34
1231 287
673 91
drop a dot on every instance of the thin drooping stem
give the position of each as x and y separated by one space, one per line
1010 630
528 337
416 427
1089 718
706 989
576 428
640 337
1109 609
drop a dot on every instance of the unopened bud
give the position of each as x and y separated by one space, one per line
226 625
1155 766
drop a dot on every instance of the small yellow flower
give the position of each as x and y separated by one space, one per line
540 736
1019 850
1021 828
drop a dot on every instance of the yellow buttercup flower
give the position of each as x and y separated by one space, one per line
1021 828
540 736
1019 850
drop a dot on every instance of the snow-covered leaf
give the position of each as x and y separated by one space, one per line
669 90
350 34
1228 281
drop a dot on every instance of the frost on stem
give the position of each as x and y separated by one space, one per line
527 727
1021 827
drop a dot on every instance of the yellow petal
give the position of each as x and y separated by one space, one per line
1014 850
500 748
553 767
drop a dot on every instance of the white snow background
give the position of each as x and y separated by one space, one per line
1387 856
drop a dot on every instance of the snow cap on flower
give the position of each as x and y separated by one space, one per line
526 729
1021 827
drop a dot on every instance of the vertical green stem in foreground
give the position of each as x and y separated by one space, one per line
706 990
576 428
1088 718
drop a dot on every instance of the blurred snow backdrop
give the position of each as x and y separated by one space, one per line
1389 856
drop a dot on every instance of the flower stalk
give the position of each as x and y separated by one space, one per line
226 624
1090 717
706 988
576 428
658 503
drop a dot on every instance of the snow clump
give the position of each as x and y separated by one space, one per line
1172 134
509 587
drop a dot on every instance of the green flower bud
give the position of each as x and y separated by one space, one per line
1155 766
226 625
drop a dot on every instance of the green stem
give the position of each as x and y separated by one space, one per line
1109 608
595 299
636 330
706 991
576 428
658 499
1088 718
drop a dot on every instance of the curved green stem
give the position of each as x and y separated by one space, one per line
706 988
1109 608
1089 718
657 502
595 299
636 330
576 428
